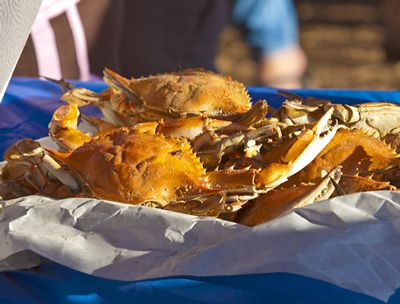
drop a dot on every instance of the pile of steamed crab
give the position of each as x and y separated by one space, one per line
193 142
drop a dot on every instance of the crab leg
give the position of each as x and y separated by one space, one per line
230 190
207 205
82 97
294 112
276 202
238 185
211 154
28 151
256 113
63 176
30 170
121 83
192 127
98 123
65 85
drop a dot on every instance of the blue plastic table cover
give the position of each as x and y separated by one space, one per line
25 112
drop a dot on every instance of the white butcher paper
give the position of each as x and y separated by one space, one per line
351 241
16 19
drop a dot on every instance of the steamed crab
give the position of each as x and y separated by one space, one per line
203 107
165 96
125 165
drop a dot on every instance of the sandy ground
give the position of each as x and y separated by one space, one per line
343 41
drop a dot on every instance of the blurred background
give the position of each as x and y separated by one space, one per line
343 39
348 43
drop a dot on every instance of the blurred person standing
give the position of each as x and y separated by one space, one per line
271 28
140 38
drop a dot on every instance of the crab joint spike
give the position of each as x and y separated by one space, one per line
338 188
65 86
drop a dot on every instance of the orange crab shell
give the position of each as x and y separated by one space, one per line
353 184
355 151
135 166
194 91
278 201
271 205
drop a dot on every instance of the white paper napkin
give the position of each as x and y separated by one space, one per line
351 241
16 19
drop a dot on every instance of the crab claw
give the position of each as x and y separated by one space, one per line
63 128
277 202
299 153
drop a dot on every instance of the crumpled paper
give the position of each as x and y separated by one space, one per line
351 241
16 19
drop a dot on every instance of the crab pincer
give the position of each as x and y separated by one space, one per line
297 153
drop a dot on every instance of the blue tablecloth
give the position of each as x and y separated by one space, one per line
26 111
